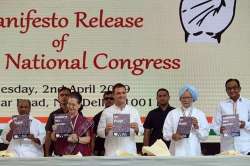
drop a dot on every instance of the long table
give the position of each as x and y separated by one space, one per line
131 161
208 147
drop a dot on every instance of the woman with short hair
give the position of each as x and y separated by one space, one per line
80 140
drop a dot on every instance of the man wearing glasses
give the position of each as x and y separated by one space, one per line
186 143
235 104
98 142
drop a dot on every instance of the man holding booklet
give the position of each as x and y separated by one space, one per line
232 120
98 142
50 147
24 133
186 126
119 124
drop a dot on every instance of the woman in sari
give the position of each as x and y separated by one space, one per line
80 139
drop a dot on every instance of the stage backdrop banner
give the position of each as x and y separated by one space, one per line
89 45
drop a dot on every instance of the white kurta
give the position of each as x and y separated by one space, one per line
26 147
112 143
241 143
186 146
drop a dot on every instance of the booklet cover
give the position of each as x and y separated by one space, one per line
63 125
231 124
184 126
121 125
22 126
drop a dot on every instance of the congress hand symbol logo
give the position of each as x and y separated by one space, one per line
206 20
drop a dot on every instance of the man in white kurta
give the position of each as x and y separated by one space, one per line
186 146
114 144
234 105
27 147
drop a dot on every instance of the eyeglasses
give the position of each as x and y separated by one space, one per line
108 98
232 88
186 98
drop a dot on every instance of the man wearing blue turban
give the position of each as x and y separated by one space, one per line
190 146
191 89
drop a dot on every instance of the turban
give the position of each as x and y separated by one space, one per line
191 89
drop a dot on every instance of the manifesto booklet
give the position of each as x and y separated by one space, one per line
231 124
121 125
21 126
63 125
184 126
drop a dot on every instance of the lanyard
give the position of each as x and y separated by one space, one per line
74 124
183 112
